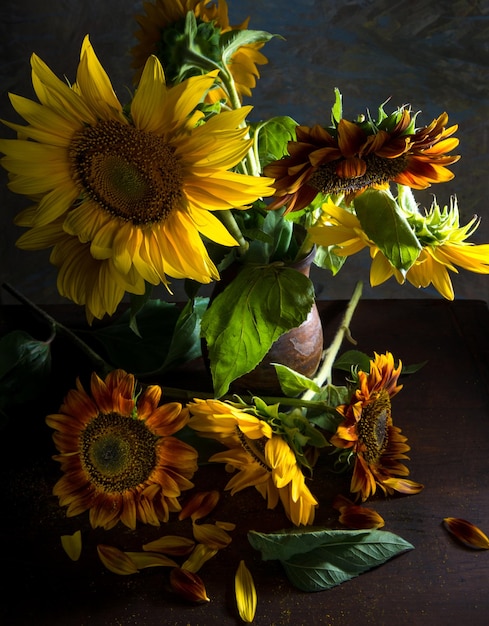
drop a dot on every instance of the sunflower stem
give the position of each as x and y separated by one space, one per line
100 365
230 223
329 355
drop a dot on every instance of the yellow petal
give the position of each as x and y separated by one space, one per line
467 533
116 560
246 599
211 535
171 544
200 555
150 559
72 545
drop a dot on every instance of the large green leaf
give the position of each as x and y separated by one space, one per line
384 223
317 559
255 309
166 337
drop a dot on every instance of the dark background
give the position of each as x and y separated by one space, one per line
432 54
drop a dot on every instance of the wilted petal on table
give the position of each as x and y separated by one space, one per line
72 545
171 544
188 585
356 516
200 555
246 599
211 535
116 560
467 533
199 505
150 559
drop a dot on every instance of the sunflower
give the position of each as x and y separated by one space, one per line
117 453
354 156
368 432
444 246
92 283
161 29
141 190
262 458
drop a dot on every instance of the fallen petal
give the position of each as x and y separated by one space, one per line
188 585
150 559
245 590
116 560
211 535
72 545
200 505
403 485
467 533
171 544
200 555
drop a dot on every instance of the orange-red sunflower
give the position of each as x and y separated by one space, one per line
354 156
161 28
119 459
367 430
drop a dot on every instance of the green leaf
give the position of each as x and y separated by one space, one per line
272 137
293 383
166 337
353 359
328 418
337 109
326 259
384 223
316 559
25 366
232 40
254 310
185 344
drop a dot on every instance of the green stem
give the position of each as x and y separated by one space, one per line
227 218
324 374
100 365
253 165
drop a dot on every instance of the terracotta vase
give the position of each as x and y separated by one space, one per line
300 349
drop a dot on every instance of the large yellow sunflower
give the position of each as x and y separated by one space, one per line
141 190
264 460
119 458
161 16
93 283
355 156
444 246
367 430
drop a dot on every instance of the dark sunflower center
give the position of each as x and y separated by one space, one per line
373 426
379 170
254 447
118 453
132 174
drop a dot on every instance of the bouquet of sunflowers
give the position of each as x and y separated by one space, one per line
179 184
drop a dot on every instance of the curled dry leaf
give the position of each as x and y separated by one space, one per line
467 533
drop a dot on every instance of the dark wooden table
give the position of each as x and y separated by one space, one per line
444 411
